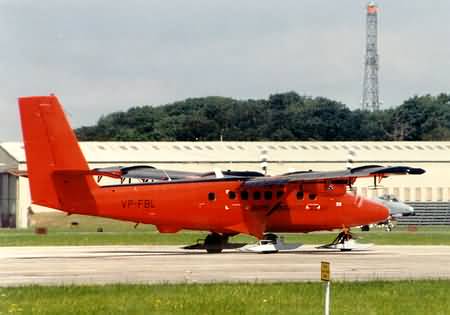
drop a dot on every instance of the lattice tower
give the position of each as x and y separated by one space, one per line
370 99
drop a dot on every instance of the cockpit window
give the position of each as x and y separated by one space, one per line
389 198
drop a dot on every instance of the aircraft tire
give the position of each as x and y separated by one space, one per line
213 243
271 237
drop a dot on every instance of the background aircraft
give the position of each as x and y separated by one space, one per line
396 209
395 206
224 203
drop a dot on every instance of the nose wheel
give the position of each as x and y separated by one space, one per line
344 236
344 241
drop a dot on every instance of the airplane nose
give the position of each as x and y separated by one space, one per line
375 211
381 213
409 211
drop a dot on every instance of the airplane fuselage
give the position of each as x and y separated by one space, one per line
224 206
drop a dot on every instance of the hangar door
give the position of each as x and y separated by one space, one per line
8 195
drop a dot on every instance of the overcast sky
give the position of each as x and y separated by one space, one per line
101 56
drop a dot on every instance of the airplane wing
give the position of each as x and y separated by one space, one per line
345 176
152 173
252 179
144 172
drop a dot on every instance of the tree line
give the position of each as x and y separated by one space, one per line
282 117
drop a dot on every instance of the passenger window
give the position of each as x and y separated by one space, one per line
256 195
244 195
279 194
300 195
267 195
312 196
232 195
211 196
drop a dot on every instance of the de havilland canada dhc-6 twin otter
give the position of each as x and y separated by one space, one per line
224 203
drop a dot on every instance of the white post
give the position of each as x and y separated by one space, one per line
325 275
327 298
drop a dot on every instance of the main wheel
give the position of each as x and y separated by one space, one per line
271 237
213 243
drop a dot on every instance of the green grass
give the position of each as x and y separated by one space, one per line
371 298
61 232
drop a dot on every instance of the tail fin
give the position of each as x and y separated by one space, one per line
55 162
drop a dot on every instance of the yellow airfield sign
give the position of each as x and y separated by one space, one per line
325 271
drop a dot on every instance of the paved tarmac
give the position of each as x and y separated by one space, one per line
164 264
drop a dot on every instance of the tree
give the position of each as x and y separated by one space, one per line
283 116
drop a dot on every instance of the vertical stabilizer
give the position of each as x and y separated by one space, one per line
54 159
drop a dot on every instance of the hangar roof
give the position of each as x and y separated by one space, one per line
235 151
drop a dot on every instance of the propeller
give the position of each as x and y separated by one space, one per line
264 161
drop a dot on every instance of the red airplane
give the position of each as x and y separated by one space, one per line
223 203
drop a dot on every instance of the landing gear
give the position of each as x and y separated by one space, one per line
271 243
342 238
271 237
389 225
344 241
214 243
